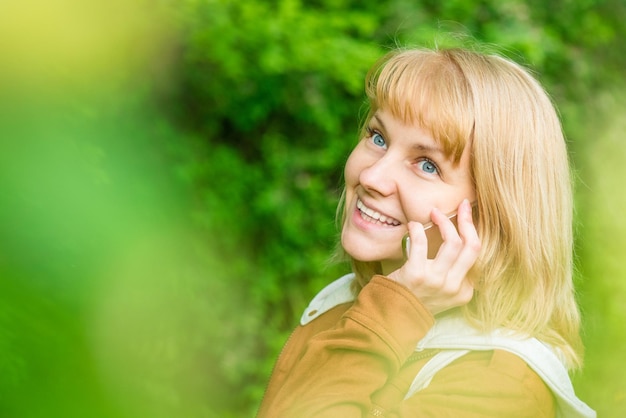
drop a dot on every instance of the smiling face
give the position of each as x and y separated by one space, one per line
397 173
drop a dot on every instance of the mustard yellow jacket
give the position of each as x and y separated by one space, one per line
359 359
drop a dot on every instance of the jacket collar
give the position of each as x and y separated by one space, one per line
336 293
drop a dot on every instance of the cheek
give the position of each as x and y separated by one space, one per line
352 170
417 206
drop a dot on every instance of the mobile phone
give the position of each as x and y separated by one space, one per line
434 235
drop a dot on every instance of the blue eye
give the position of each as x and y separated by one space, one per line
378 140
428 166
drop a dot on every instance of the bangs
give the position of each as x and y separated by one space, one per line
428 89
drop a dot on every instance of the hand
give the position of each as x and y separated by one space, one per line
442 283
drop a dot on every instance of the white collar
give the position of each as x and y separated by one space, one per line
336 293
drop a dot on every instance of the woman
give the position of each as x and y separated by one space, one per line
484 325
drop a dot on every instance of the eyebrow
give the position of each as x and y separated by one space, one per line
429 149
419 146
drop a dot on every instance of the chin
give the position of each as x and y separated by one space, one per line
365 253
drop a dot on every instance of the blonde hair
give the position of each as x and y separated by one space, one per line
520 167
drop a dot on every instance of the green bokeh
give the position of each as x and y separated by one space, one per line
169 173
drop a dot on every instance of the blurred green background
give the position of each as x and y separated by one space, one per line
169 172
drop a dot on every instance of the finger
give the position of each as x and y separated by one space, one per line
414 267
418 241
471 243
468 233
465 221
451 241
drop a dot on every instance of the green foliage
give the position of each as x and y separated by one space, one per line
166 219
600 247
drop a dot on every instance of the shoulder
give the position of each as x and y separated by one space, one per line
492 382
523 368
506 373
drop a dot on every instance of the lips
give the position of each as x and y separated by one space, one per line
372 216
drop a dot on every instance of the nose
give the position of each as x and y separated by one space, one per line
380 177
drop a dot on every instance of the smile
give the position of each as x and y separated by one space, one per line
372 216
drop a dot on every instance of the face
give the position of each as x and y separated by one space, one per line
396 174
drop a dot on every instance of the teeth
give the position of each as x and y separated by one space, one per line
376 216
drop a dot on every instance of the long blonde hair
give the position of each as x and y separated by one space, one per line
519 163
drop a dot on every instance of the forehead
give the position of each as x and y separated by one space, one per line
419 138
427 89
